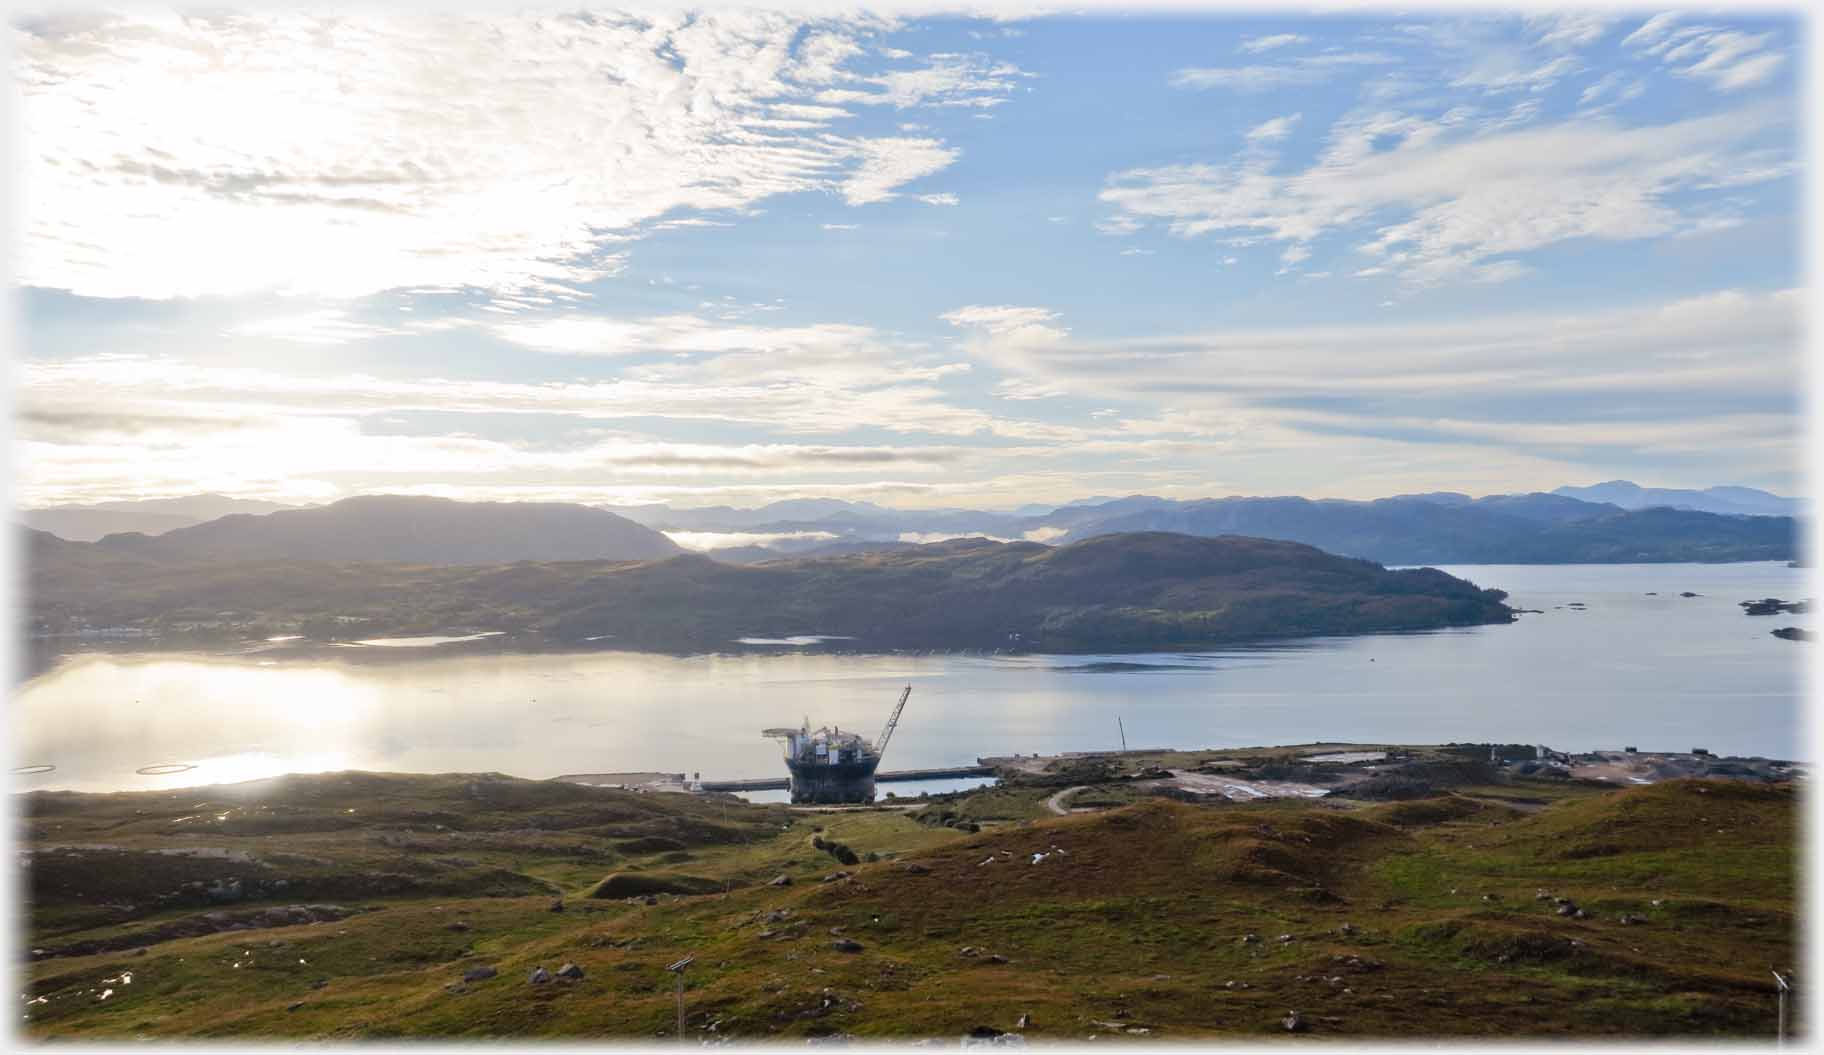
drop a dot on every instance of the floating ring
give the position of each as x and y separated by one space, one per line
164 769
23 771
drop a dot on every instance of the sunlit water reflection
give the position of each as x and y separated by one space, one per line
1660 672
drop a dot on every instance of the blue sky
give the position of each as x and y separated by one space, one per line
939 261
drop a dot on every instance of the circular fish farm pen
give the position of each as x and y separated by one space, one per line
164 769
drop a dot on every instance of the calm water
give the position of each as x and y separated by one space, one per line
1660 672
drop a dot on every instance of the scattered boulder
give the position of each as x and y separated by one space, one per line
1294 1022
914 868
846 945
570 972
1250 939
459 926
558 905
1025 1021
481 972
780 880
539 976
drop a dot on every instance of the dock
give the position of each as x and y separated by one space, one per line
784 783
679 782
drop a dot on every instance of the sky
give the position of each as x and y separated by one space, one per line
922 260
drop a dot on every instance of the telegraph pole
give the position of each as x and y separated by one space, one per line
678 969
1123 729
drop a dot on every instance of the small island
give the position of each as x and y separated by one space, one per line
1774 606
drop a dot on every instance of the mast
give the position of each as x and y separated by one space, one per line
880 745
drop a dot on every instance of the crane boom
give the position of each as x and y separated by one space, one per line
880 745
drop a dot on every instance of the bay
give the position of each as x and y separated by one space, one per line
1613 657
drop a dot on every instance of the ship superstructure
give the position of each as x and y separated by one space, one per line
831 765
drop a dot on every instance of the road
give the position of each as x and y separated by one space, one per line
1056 803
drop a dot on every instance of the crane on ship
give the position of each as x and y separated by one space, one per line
880 744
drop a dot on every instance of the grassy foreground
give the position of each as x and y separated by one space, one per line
363 900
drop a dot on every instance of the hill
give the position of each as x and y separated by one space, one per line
1529 908
408 529
1114 592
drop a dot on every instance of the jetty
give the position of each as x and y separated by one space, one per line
681 782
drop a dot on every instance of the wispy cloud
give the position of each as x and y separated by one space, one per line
1729 60
1468 193
214 155
1256 45
1308 70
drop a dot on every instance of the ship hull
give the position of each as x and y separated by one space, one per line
844 782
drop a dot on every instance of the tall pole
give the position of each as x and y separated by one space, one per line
678 969
1784 988
1123 729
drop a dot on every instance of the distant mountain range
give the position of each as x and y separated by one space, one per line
152 516
1742 500
1110 593
407 530
1565 526
1433 528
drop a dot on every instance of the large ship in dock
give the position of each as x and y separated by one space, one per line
829 765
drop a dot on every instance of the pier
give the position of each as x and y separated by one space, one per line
783 783
679 782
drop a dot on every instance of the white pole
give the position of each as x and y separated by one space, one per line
1780 1041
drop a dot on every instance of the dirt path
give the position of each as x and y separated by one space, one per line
1056 803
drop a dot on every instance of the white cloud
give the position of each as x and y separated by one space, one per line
939 199
1728 60
949 79
605 335
1009 324
888 164
1725 340
203 155
1307 70
1651 31
1256 45
841 226
1570 30
1446 199
322 326
1500 72
1273 129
